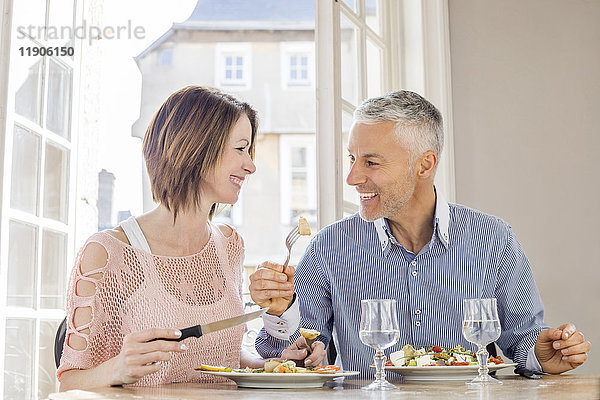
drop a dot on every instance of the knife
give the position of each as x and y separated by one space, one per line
199 330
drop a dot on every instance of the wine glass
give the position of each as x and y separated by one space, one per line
379 329
481 326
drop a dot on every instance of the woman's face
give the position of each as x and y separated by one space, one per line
224 183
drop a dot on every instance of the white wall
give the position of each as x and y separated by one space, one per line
526 96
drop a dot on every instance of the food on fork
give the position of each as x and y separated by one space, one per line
303 227
436 356
309 335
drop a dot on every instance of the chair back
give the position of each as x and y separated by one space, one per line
59 341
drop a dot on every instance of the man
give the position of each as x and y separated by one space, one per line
407 244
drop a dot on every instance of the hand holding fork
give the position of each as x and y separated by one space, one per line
272 285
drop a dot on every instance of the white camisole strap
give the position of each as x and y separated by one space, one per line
134 234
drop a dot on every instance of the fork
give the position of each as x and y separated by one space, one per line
291 238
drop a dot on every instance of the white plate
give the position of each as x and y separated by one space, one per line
269 380
449 372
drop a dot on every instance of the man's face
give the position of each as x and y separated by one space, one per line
380 170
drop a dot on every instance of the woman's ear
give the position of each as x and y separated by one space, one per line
427 164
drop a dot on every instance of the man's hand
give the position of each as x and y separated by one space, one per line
562 349
299 353
273 288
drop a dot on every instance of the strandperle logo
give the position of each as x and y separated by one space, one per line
83 31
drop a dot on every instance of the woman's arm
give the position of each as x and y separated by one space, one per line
248 359
137 358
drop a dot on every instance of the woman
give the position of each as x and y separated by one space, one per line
171 267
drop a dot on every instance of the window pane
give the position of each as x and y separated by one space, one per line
350 194
351 3
228 61
18 358
54 253
165 57
349 59
60 19
24 191
298 157
22 260
238 75
47 370
58 117
239 61
56 182
29 18
27 73
374 70
373 14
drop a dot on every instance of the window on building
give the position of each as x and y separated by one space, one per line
233 65
297 64
298 178
299 70
165 56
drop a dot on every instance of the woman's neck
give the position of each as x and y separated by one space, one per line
187 235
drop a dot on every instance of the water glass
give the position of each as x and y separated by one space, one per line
481 326
379 330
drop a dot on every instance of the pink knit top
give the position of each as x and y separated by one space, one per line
139 290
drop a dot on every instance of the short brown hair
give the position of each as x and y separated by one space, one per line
186 140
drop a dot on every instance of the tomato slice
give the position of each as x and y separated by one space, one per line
327 369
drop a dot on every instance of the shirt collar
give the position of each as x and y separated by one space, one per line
441 221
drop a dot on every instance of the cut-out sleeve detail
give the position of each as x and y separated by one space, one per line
92 275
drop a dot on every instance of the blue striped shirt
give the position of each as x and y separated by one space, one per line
470 255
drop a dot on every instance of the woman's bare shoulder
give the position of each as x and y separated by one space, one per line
225 229
118 233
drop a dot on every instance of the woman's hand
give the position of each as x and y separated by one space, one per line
139 357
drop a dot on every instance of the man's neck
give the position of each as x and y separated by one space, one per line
413 226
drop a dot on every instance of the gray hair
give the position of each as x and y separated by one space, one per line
419 124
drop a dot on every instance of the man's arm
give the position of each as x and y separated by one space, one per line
314 301
525 338
520 307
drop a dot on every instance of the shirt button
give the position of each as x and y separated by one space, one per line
417 311
418 323
280 323
414 273
413 263
282 331
445 236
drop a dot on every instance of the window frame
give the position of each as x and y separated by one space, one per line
399 71
8 88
